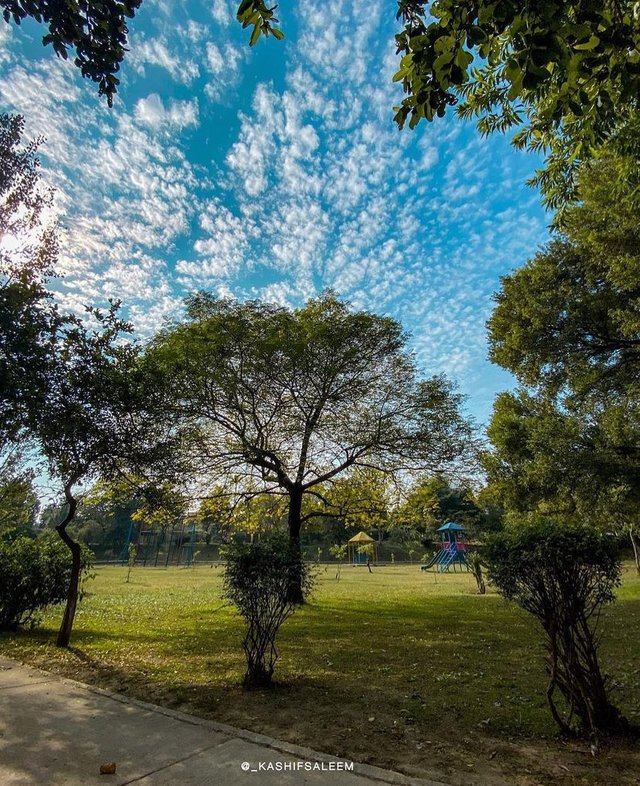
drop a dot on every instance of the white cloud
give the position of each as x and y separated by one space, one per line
5 42
224 69
221 12
124 188
215 60
151 111
311 185
156 52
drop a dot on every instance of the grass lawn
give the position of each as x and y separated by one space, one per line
396 668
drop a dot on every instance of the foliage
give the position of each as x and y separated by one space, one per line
361 499
563 574
567 325
567 72
159 506
95 30
569 319
284 402
256 14
225 511
558 460
28 251
96 419
432 501
34 574
258 581
105 515
18 498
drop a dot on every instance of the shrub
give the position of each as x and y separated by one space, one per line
34 574
258 580
564 575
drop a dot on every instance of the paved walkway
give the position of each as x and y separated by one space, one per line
55 731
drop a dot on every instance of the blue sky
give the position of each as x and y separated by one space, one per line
275 172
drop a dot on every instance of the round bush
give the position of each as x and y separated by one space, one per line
34 574
563 574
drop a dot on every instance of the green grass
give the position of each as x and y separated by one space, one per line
396 668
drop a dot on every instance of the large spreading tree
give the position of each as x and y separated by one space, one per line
285 401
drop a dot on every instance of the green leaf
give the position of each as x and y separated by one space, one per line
255 35
476 35
592 43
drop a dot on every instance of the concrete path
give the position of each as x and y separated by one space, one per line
55 731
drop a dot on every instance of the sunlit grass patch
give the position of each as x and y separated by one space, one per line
448 676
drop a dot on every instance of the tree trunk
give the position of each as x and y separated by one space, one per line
295 523
636 548
64 634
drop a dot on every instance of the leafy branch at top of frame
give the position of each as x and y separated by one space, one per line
256 13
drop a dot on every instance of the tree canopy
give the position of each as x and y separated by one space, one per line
567 325
95 418
434 500
94 30
28 252
284 402
569 318
565 73
18 497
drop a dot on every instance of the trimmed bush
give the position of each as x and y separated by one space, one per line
563 575
34 574
258 580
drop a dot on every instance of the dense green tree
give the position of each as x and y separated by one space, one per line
567 462
567 325
94 421
434 500
104 518
569 318
286 401
35 575
361 499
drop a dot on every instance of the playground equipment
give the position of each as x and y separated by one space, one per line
453 550
358 552
158 546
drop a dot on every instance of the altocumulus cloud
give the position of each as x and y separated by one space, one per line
275 172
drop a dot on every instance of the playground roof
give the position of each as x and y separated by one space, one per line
361 537
451 525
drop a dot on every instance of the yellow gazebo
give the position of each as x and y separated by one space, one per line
356 553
